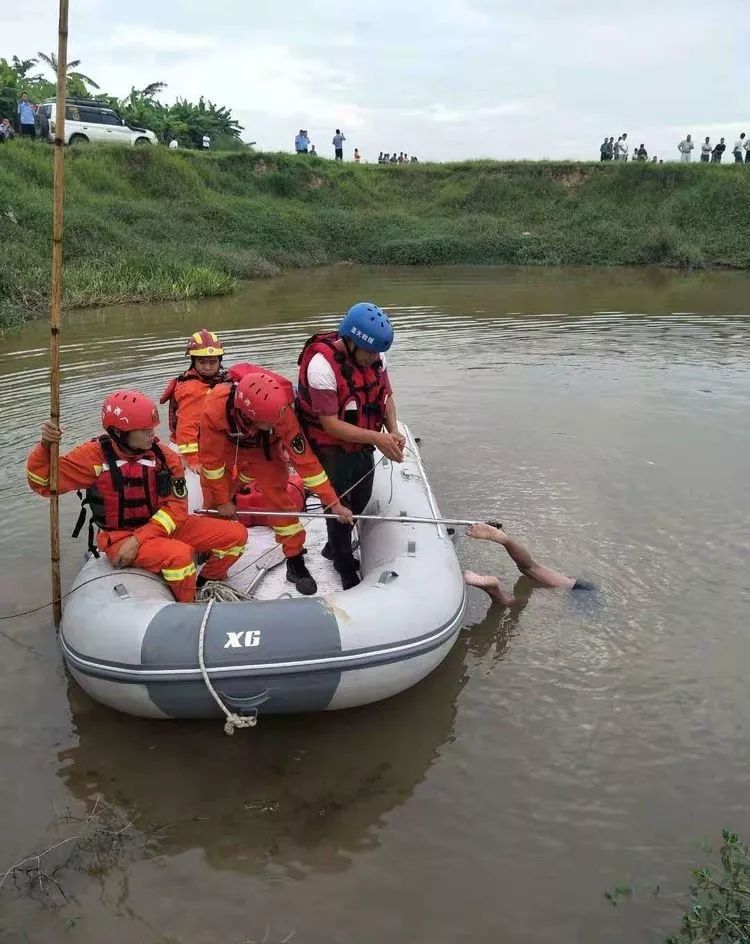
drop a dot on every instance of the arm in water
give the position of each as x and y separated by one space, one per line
523 561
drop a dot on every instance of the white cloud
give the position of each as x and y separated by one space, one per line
441 78
148 39
462 14
443 115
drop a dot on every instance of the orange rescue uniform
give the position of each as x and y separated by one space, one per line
188 402
169 540
220 454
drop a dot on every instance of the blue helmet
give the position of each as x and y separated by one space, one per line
368 327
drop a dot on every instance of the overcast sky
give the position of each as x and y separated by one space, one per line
442 79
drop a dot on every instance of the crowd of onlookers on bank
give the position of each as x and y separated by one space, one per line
303 145
29 121
611 150
401 158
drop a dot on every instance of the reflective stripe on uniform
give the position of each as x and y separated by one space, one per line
213 474
165 520
187 448
149 463
37 479
246 479
313 481
178 573
287 530
228 551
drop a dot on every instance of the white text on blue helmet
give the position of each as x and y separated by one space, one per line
361 334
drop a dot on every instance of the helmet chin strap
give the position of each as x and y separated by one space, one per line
121 439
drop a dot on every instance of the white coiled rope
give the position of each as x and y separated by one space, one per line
213 591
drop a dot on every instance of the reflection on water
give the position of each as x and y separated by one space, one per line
565 746
305 796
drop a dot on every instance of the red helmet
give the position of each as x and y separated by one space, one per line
261 397
128 409
204 343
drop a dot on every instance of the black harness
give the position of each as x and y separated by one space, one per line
93 498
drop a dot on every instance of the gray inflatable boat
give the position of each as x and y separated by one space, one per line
130 646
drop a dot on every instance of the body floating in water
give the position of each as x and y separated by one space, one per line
492 531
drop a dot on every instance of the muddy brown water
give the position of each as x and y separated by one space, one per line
564 747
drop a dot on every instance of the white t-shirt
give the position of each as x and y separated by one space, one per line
685 146
739 144
320 376
623 144
173 144
206 141
706 147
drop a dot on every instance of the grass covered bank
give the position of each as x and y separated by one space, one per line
148 224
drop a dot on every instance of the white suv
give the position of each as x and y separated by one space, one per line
87 121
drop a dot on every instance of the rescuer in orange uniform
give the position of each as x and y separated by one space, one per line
250 432
187 393
138 498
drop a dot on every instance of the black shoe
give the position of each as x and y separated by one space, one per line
329 554
346 567
300 576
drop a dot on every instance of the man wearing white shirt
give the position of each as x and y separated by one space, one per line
338 144
706 151
685 147
739 147
621 150
206 142
173 144
344 400
747 150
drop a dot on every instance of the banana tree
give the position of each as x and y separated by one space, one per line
77 82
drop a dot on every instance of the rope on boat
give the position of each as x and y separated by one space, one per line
233 720
216 591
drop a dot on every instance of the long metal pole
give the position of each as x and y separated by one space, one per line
56 305
400 519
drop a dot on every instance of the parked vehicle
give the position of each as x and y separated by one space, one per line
91 121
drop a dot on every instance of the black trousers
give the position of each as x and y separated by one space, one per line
28 131
339 154
344 469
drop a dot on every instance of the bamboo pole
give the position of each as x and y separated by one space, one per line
56 305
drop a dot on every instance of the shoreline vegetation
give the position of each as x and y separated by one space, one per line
149 224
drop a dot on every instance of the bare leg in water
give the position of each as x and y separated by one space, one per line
520 557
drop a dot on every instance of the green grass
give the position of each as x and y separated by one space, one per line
148 224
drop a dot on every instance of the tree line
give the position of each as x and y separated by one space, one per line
186 121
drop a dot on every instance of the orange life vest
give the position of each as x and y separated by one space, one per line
128 491
171 389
